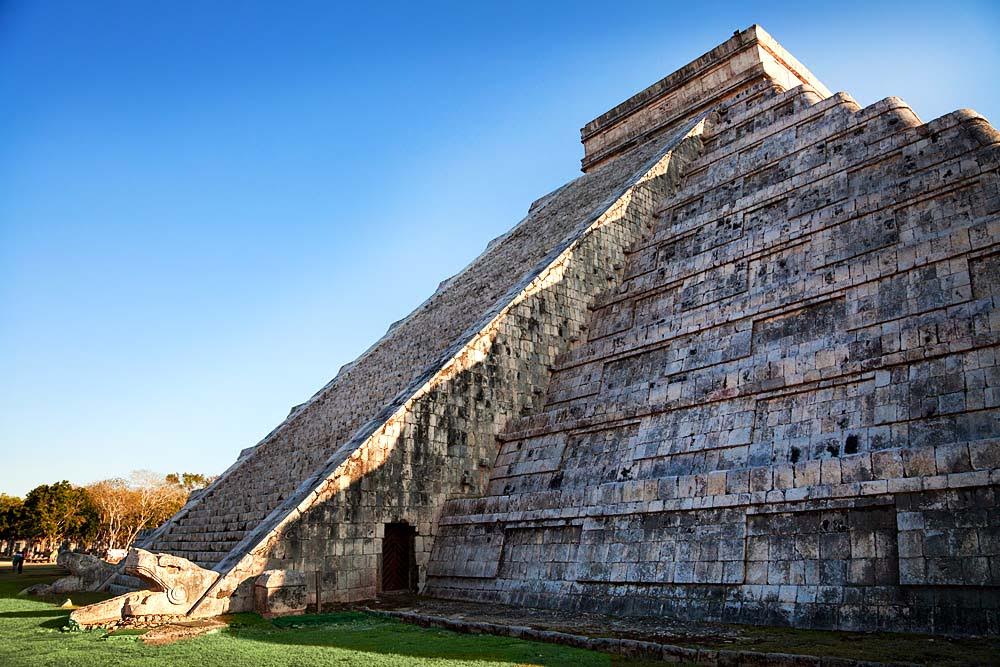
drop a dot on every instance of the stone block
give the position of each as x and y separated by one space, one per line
919 462
280 593
952 458
985 455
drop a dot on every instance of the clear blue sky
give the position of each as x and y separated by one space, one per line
207 208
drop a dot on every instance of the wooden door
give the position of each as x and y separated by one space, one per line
398 557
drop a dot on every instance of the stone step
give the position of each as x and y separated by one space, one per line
180 549
207 533
124 583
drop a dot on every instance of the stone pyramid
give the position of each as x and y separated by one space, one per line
743 369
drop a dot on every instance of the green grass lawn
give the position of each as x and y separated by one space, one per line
30 634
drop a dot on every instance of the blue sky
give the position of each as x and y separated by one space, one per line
207 208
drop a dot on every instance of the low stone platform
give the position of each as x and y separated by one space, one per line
681 641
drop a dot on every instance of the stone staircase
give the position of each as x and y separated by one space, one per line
123 583
205 535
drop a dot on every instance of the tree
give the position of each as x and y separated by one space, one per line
57 512
127 507
11 517
113 500
189 480
156 501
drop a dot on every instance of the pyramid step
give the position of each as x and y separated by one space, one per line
124 583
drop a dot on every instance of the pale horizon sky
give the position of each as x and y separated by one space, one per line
207 208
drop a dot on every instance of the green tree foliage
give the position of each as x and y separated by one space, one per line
11 516
189 480
57 512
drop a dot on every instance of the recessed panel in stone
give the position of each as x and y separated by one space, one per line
799 326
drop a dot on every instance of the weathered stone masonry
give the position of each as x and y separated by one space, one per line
789 411
744 368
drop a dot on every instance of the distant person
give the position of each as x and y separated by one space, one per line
18 561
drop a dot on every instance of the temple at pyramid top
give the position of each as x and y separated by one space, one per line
745 59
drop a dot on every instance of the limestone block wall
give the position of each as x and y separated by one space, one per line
788 413
438 438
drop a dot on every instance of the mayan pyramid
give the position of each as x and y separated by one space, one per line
744 368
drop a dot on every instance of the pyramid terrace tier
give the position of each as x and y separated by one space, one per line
681 285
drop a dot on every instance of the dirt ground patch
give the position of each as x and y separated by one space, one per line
172 632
